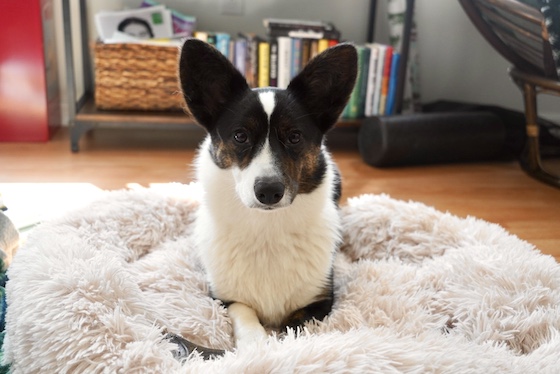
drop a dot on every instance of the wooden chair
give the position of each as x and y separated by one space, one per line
518 32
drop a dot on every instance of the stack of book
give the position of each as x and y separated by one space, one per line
275 59
376 85
272 61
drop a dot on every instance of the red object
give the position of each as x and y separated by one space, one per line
29 90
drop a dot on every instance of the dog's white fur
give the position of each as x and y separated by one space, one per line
270 263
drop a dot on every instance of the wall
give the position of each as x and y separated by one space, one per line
456 63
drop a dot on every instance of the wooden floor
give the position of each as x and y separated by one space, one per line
498 192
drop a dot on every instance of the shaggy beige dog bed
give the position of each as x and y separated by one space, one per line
417 291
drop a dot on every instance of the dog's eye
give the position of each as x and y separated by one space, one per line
294 137
240 136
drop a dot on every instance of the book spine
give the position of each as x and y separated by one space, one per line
354 102
364 67
211 39
264 63
304 34
298 28
222 43
251 60
378 78
323 45
231 51
368 111
296 57
241 54
314 48
273 69
392 94
385 80
284 61
305 51
201 35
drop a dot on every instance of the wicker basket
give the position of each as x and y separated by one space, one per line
136 77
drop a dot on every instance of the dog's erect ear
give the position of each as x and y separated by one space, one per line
208 80
325 84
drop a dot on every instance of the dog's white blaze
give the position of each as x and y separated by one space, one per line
274 262
262 166
268 102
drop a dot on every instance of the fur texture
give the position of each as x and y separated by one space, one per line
417 291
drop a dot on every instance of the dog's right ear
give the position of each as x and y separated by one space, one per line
209 81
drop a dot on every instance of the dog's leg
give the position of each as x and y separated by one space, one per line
318 310
247 328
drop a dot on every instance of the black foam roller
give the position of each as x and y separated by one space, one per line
426 138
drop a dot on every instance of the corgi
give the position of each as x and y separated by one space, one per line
268 225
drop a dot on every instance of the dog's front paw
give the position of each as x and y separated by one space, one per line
247 329
250 337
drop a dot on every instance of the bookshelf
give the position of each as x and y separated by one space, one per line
85 117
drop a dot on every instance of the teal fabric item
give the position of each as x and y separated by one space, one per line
3 306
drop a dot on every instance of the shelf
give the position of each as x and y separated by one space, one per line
84 116
89 113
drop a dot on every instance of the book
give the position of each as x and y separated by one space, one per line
222 42
305 51
251 60
301 28
264 63
211 38
363 63
201 35
231 51
314 48
284 61
385 80
323 45
273 69
240 54
382 49
374 52
296 57
394 77
356 103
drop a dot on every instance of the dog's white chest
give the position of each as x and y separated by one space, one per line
273 270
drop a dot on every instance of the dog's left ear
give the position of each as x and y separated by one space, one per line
325 84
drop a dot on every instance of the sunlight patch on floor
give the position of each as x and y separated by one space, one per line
32 203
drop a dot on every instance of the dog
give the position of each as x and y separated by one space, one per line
268 225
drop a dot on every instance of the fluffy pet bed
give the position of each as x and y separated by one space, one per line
417 291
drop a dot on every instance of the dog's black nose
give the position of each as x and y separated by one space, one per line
269 192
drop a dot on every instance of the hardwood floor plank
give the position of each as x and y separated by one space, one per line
498 192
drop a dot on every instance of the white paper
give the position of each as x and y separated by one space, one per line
142 23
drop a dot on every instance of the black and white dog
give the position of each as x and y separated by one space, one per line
268 225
